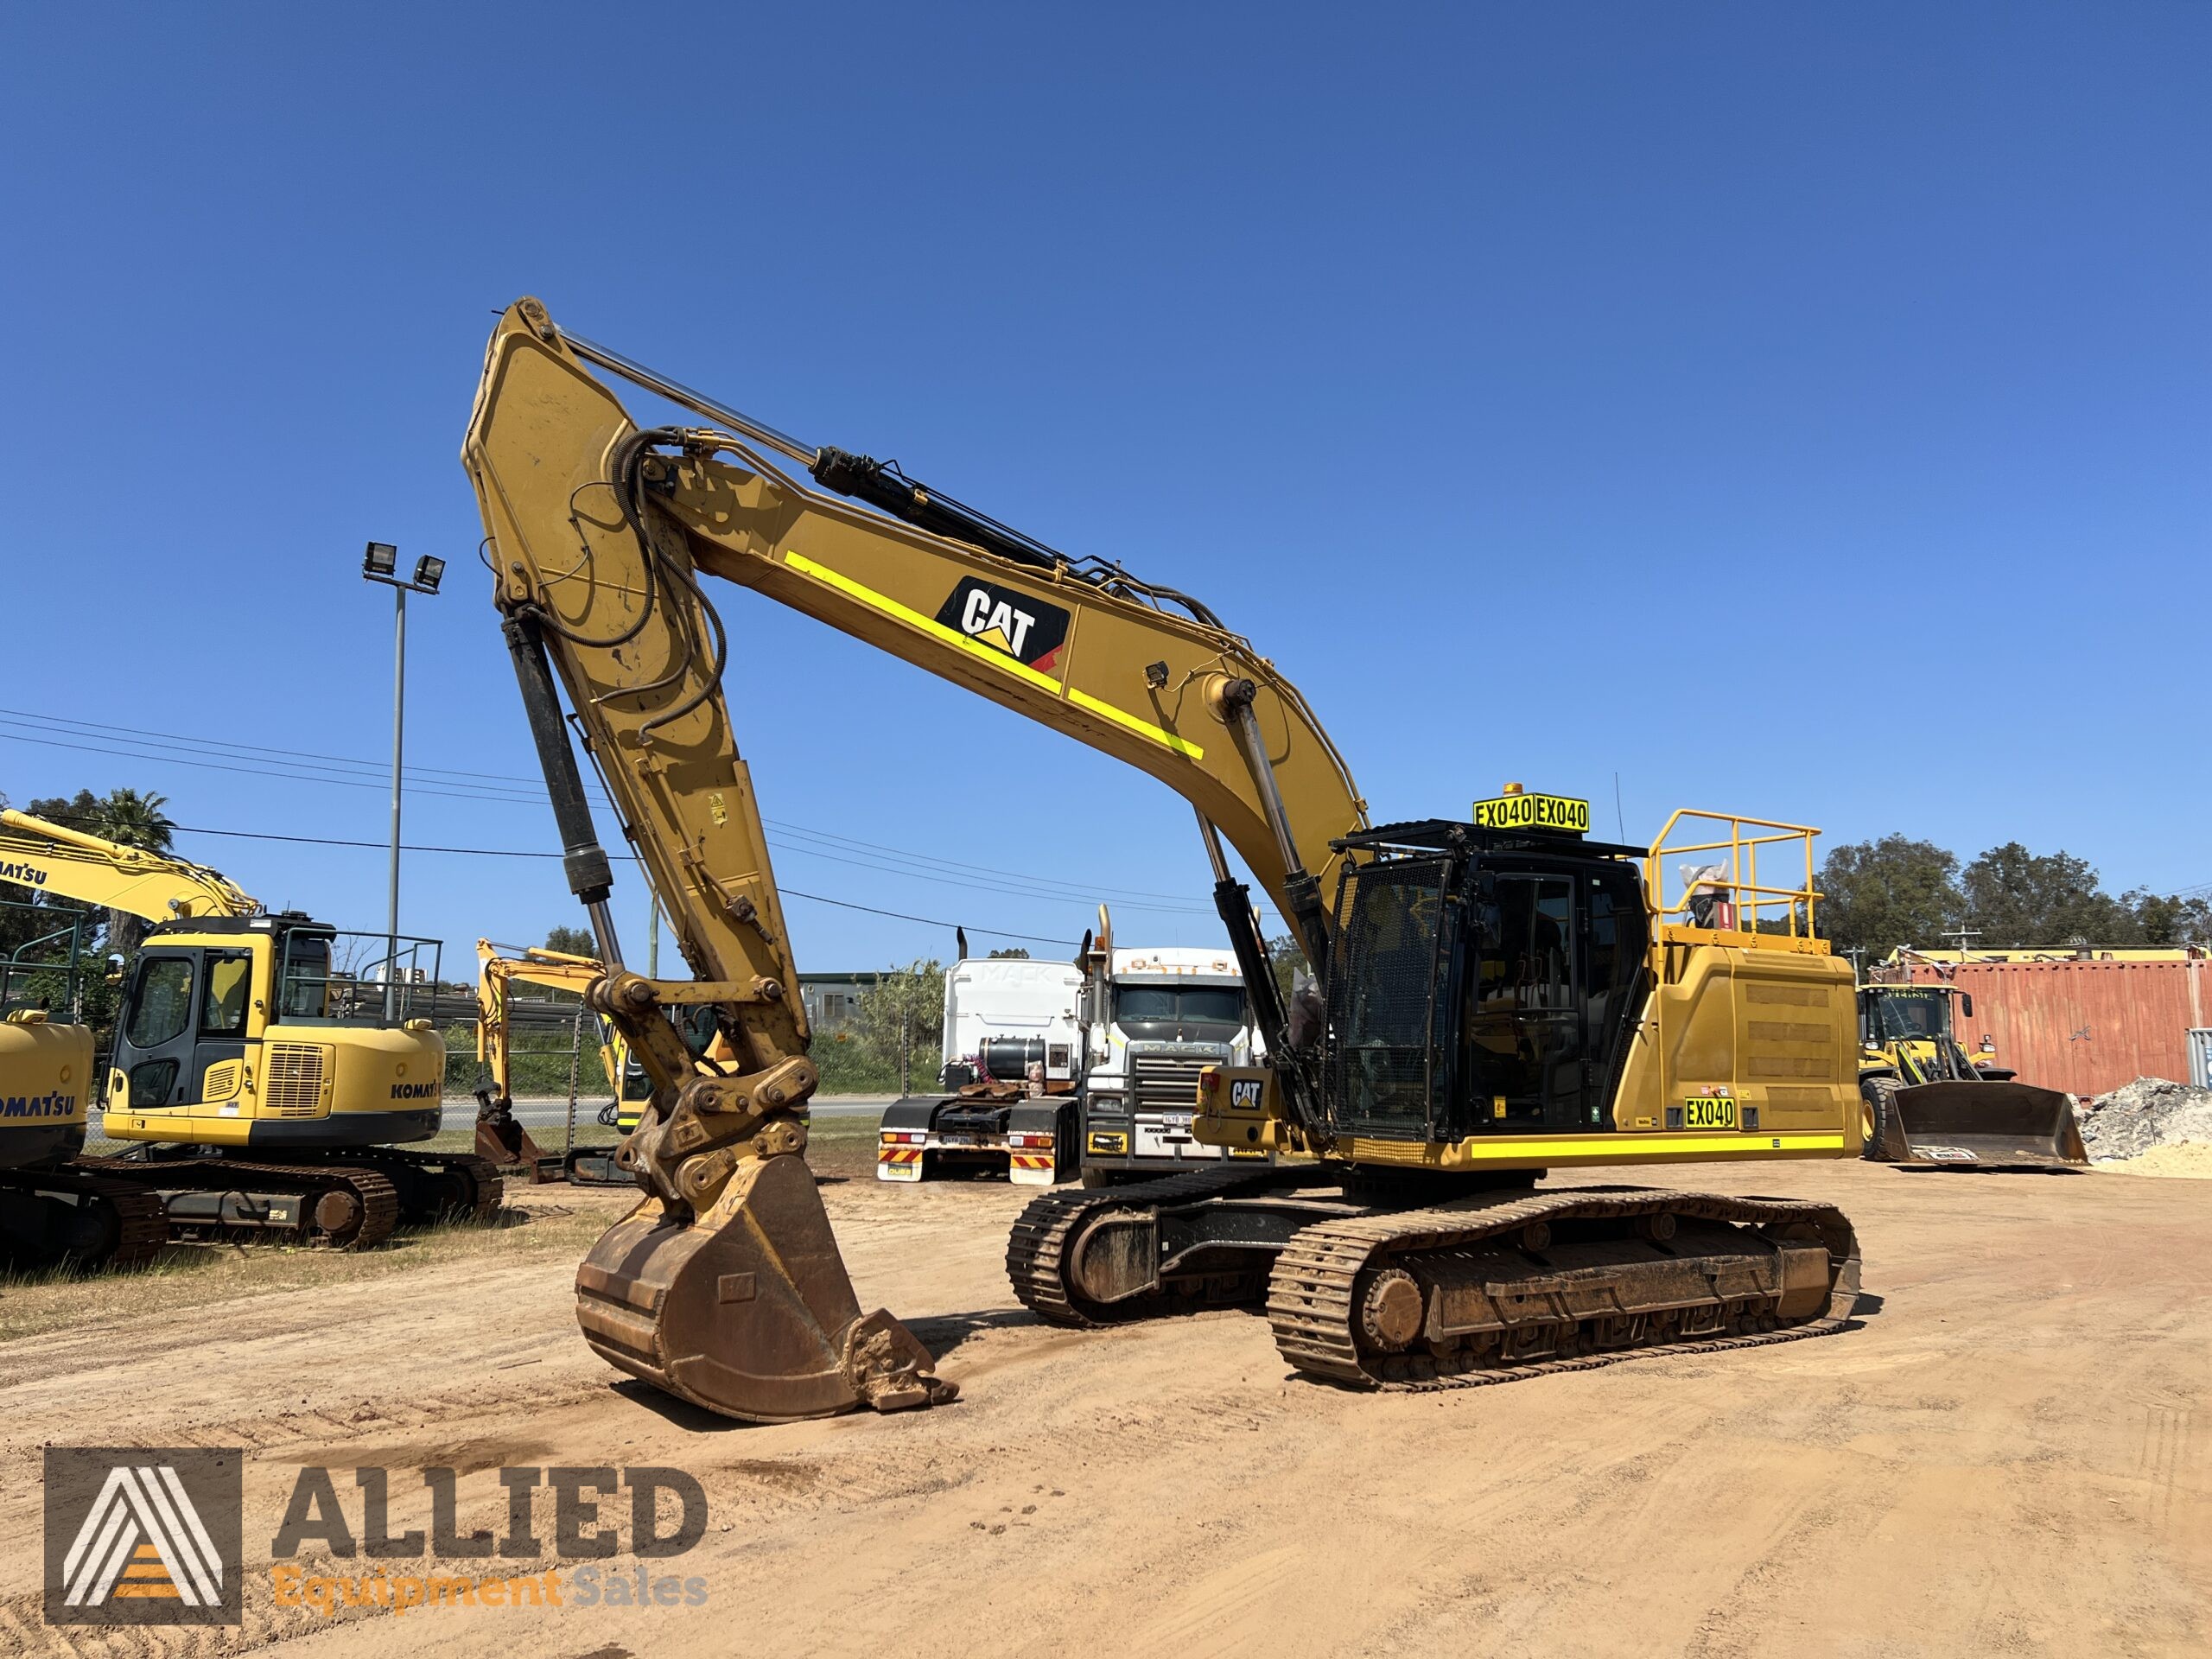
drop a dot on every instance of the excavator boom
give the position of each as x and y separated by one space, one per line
52 858
598 532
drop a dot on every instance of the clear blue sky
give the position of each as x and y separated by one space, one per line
1799 409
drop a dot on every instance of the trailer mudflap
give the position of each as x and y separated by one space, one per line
1978 1124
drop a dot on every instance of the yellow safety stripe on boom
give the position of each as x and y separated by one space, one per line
999 660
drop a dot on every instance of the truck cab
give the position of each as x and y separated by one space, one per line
1155 1018
1013 1061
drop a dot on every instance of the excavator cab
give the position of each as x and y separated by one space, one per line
1484 983
239 1031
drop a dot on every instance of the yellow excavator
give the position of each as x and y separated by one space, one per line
1494 997
52 1208
500 1135
267 1089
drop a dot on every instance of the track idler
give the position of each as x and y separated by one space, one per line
746 1308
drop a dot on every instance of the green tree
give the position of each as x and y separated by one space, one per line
1013 953
135 819
1879 894
2170 919
903 1012
125 815
571 941
1287 958
2015 897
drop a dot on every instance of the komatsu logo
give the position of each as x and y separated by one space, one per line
1025 629
28 875
54 1105
413 1090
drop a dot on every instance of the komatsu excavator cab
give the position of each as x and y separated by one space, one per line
242 1031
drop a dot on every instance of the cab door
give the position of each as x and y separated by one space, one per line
1549 984
219 1049
1521 1033
154 1041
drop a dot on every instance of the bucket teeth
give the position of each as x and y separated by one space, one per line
747 1308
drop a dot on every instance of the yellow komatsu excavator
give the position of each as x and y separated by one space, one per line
267 1091
1495 997
53 1209
501 1136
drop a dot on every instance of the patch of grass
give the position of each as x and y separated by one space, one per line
842 1147
533 1222
549 1221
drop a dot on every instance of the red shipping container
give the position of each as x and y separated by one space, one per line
2083 1026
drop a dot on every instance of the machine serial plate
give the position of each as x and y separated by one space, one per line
1709 1112
1557 813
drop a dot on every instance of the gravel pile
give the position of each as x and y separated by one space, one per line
2146 1113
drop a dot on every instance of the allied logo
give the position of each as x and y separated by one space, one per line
143 1536
1025 629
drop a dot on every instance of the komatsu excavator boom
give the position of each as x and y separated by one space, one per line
1494 997
154 887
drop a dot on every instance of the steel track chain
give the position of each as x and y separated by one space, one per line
486 1186
1311 1290
1036 1251
378 1198
140 1227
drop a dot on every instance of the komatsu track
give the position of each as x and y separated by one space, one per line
72 1215
1493 1288
352 1200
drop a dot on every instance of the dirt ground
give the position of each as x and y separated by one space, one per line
2006 1455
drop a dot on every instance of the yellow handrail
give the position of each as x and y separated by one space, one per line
1744 840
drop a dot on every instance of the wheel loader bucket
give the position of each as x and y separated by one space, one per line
1980 1125
747 1309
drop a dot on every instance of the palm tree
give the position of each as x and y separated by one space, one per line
134 819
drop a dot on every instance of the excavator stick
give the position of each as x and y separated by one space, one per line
1973 1124
747 1309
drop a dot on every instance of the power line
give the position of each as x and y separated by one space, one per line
247 750
508 852
529 792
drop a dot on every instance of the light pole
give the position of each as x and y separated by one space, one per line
380 563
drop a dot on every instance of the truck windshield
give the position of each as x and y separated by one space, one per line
1198 1013
1904 1016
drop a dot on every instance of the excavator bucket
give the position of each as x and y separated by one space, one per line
502 1139
747 1309
1970 1124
